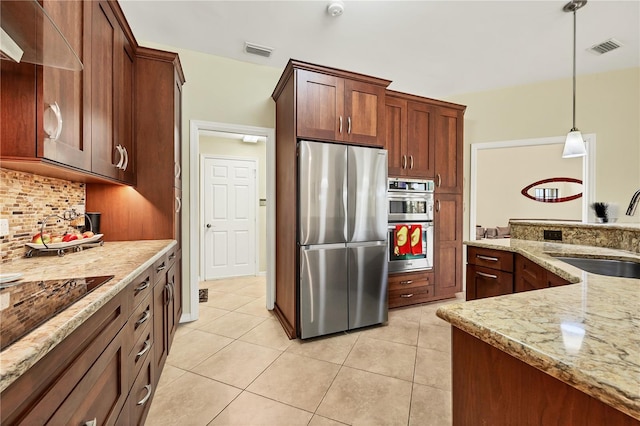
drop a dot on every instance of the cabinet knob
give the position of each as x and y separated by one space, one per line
208 225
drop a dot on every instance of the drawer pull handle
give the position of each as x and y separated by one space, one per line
143 286
147 346
487 258
404 161
146 397
143 319
411 157
406 296
93 422
406 282
172 256
161 267
482 274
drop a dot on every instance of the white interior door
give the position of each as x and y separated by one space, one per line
229 217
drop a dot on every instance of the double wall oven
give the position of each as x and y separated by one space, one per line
410 229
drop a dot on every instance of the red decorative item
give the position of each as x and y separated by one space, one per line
401 240
416 239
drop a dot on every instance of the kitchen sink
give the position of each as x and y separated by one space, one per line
609 267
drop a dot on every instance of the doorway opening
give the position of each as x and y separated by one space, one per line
200 131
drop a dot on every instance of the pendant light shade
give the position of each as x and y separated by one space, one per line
574 144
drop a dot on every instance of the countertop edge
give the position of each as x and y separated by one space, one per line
52 336
538 360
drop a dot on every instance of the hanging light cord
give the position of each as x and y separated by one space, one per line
574 70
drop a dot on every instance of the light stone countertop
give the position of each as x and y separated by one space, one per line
543 327
125 260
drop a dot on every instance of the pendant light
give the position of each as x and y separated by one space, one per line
574 144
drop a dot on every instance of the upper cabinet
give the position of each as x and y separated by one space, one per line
112 65
335 105
75 125
62 121
448 143
424 139
409 135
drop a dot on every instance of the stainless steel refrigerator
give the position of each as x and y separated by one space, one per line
342 237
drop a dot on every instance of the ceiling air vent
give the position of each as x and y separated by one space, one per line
256 49
605 46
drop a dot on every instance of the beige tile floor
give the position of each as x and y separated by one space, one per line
235 366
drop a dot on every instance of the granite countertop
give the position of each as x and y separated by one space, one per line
125 260
586 334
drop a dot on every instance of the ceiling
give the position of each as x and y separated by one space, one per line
430 48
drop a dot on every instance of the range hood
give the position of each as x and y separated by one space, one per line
28 34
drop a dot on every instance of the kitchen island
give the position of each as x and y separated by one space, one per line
103 349
561 355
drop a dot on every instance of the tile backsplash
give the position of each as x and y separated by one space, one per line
26 199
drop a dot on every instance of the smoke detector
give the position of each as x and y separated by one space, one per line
335 8
256 49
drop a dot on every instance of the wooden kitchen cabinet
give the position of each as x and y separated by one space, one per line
310 99
448 146
95 104
489 273
447 256
410 288
164 311
111 95
409 137
83 378
529 275
334 105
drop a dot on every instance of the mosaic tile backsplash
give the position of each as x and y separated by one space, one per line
25 200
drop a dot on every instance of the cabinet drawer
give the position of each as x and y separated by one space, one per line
141 287
140 352
529 275
160 267
495 259
139 399
410 280
486 282
410 296
141 318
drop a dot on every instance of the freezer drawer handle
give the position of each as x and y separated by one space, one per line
482 274
406 282
487 258
406 296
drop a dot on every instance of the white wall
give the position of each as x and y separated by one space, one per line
502 174
607 105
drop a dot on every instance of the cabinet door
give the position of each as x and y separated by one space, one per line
123 79
320 106
67 91
448 244
529 275
104 27
396 135
448 150
364 111
160 343
420 146
177 131
170 307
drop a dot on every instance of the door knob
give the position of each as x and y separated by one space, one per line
208 225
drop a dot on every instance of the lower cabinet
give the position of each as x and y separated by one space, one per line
106 371
492 272
410 288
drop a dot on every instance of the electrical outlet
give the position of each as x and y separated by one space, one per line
79 208
4 227
552 235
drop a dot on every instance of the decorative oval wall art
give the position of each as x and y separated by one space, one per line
541 191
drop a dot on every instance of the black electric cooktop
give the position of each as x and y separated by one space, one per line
26 305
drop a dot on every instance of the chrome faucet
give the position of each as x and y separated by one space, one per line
634 203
